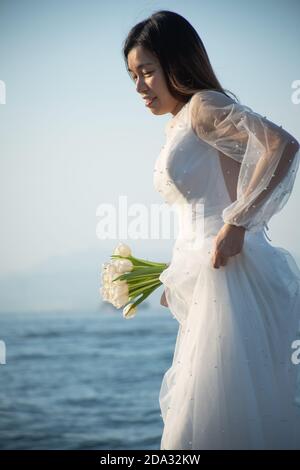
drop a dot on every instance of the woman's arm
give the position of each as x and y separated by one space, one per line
268 156
289 152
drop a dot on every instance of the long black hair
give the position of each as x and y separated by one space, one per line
180 52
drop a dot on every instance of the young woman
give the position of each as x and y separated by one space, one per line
232 383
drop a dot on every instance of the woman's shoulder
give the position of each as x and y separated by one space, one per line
207 107
211 97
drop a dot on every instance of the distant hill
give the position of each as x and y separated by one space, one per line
63 283
60 283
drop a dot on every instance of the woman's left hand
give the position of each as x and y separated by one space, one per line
228 242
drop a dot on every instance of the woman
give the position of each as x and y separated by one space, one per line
227 170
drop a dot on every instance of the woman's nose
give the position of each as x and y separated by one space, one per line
140 85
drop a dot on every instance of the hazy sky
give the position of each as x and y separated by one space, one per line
74 133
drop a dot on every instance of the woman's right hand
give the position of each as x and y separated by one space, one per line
163 300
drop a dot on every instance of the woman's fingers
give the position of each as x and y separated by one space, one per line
163 300
219 260
224 261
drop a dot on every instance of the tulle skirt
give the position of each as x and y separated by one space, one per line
233 382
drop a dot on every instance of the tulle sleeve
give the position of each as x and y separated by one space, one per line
268 156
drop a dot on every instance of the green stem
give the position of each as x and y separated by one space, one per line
149 263
144 296
143 283
133 275
140 262
142 289
141 278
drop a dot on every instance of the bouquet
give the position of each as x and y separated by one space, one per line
127 281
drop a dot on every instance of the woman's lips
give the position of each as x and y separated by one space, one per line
150 102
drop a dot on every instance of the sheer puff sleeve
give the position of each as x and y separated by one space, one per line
268 156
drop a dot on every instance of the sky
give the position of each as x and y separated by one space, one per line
74 133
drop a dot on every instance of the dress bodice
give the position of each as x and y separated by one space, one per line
224 163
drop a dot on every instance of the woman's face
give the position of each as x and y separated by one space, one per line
150 82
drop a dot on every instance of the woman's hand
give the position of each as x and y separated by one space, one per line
228 242
163 300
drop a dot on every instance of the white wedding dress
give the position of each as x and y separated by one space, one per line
232 383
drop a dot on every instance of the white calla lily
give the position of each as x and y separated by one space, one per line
129 311
140 278
120 290
122 250
105 293
120 301
123 265
111 268
120 283
105 277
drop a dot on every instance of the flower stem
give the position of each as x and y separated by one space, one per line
143 283
144 296
138 273
134 293
140 262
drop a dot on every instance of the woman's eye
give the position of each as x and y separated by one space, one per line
145 75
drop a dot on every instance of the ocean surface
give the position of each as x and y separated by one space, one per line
84 380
